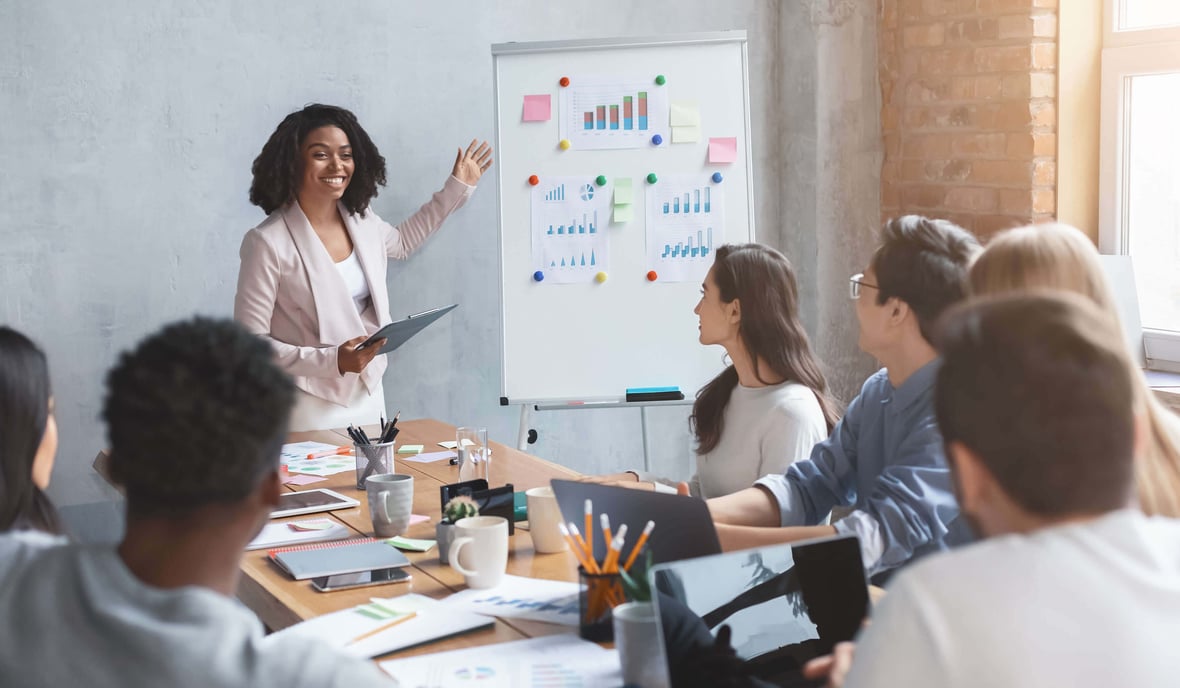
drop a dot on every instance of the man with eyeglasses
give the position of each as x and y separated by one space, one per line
884 459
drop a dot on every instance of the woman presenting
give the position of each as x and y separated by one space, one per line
312 279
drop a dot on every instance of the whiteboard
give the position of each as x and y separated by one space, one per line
569 336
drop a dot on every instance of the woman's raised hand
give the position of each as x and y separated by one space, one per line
472 163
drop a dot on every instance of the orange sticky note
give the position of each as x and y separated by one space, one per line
723 150
536 108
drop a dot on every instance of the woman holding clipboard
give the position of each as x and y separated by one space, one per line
312 278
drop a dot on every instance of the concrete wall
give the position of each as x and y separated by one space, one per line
129 128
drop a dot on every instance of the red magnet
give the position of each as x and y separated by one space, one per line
534 180
565 81
652 276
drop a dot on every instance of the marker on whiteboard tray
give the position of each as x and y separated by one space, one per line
654 394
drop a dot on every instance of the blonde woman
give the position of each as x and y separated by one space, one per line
1058 256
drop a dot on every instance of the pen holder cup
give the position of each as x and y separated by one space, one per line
372 459
599 594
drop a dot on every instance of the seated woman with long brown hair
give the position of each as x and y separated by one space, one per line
771 404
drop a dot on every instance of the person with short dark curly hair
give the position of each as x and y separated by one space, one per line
196 415
312 278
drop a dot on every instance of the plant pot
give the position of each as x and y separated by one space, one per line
444 532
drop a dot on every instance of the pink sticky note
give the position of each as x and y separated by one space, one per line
298 479
418 518
536 108
723 150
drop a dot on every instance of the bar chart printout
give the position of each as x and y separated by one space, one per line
685 225
603 113
570 239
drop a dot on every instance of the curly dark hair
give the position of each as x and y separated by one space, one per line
196 415
278 167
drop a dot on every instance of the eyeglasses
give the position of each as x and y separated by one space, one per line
855 283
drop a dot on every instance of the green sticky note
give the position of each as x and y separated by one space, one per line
686 134
684 114
623 213
410 449
623 194
410 544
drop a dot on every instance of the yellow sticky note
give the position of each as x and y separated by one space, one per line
623 213
623 195
685 114
686 134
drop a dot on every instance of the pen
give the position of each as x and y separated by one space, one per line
383 627
338 451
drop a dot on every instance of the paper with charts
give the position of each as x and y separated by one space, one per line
600 113
571 241
685 222
517 597
556 661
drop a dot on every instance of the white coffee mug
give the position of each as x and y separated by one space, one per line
479 550
391 501
545 521
640 645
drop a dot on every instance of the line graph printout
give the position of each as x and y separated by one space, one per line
599 113
685 225
570 226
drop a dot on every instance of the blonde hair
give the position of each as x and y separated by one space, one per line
1057 256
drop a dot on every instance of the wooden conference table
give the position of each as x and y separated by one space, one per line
280 602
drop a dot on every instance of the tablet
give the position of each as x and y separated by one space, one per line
784 605
311 501
397 333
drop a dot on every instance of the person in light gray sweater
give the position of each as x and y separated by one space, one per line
771 404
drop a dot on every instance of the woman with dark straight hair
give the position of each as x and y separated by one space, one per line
771 404
28 436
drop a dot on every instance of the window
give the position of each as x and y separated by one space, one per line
1139 205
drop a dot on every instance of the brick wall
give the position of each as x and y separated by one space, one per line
969 114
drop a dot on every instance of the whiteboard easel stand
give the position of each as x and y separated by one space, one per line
527 436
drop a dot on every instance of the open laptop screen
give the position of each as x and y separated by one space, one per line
784 605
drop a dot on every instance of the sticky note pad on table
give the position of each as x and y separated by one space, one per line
623 213
623 195
685 114
410 544
723 150
410 449
536 108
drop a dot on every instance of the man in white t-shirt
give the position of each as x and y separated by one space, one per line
1073 587
196 416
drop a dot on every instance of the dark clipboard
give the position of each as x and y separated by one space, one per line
400 332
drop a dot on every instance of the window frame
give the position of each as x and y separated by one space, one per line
1127 53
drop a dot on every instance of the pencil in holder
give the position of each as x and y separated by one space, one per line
372 459
599 594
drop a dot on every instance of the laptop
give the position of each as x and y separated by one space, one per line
784 605
683 526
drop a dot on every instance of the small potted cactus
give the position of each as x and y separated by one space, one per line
459 507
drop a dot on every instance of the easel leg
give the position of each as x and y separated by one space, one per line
522 435
646 451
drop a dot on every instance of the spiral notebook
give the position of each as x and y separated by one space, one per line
332 558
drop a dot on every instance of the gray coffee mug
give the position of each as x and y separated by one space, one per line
391 502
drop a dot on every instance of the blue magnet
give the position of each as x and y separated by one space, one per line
538 276
656 139
717 177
